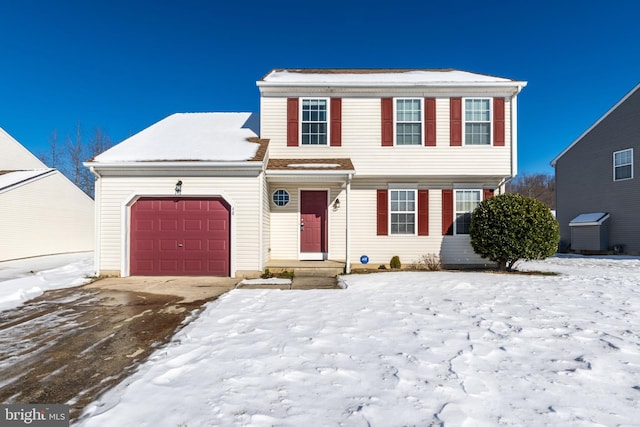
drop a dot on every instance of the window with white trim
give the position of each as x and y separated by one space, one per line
280 198
623 165
409 121
402 211
314 122
466 201
477 121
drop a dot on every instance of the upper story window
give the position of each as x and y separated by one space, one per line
408 121
466 201
403 211
314 122
623 164
477 121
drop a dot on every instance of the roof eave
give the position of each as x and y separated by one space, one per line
176 165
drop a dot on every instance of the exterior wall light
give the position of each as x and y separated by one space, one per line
179 187
336 205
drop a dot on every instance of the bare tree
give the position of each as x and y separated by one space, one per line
68 157
54 157
538 186
76 153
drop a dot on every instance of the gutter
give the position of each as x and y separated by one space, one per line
175 165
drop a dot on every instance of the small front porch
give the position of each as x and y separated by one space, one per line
299 268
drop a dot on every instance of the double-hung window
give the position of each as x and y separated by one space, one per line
477 121
466 201
623 165
314 122
403 211
409 121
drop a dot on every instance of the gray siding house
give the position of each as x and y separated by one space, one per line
596 175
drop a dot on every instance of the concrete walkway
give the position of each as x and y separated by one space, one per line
190 289
298 283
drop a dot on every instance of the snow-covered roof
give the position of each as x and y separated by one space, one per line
190 137
593 218
359 77
12 178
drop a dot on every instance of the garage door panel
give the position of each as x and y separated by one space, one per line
193 245
144 224
192 224
172 236
168 224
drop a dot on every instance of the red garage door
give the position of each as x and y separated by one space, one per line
180 237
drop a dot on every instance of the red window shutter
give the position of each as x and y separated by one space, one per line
430 122
498 122
292 122
423 212
447 212
383 213
387 122
336 122
455 121
486 193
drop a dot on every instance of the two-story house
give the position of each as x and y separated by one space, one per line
353 166
597 192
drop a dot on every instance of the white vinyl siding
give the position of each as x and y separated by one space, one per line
623 165
242 193
361 136
48 215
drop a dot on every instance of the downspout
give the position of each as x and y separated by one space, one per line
514 133
347 267
96 219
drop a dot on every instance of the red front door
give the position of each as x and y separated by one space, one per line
180 236
313 223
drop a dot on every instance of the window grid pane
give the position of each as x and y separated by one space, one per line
477 115
403 216
281 198
408 122
466 202
623 164
314 122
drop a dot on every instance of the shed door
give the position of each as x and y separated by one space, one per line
180 237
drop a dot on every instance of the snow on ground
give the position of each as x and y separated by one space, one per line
25 279
399 349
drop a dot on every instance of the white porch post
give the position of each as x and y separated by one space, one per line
347 267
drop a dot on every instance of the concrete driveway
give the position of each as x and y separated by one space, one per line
70 345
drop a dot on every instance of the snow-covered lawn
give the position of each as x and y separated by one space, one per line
398 349
25 279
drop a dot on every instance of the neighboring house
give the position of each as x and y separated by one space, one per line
41 211
352 166
597 190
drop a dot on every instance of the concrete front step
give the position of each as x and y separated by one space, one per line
307 268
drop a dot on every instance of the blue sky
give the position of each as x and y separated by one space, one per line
124 65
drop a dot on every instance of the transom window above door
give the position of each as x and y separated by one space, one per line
314 122
408 121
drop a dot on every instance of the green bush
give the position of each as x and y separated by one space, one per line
395 262
510 227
